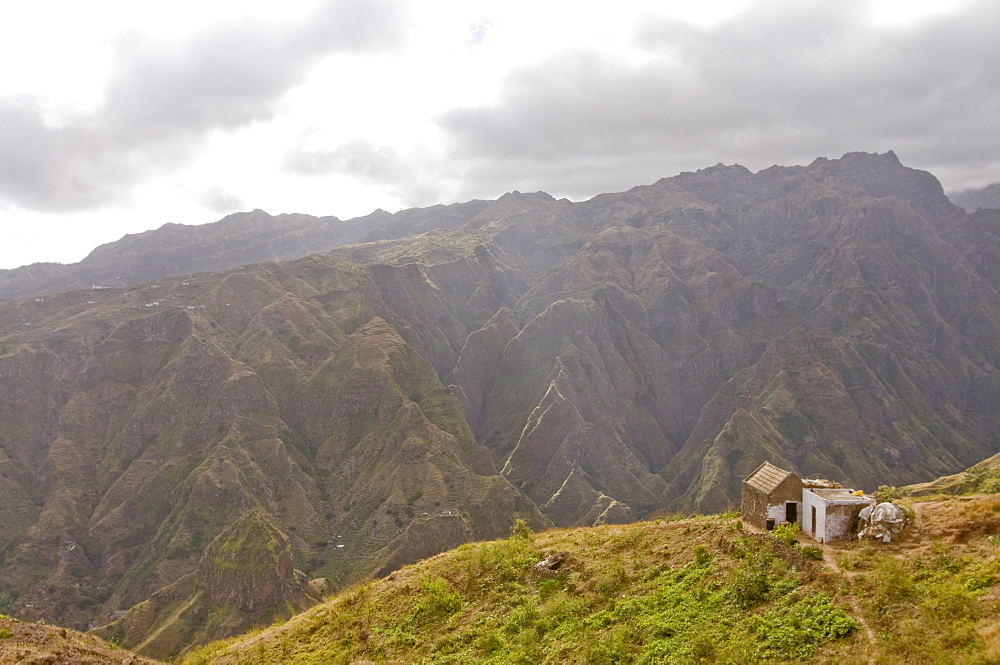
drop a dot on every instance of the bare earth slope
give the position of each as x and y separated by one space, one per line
837 318
23 643
982 477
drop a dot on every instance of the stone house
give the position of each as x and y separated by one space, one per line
831 514
771 493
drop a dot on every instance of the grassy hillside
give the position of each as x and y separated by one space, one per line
980 478
635 593
684 591
668 591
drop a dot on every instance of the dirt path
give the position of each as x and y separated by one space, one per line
830 560
830 553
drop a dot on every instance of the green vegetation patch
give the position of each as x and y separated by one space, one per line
925 606
683 592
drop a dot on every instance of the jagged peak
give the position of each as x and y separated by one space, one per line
726 168
515 195
888 157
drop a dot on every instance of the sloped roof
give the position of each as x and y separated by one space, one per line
767 477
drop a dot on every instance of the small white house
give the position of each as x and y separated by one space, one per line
831 514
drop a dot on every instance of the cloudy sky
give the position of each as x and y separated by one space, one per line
119 116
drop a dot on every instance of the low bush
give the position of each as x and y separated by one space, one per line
813 552
786 533
521 530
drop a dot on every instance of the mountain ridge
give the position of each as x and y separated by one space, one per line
237 239
567 363
980 198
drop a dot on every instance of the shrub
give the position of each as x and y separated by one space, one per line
858 558
990 486
812 552
796 628
885 493
438 602
749 588
520 529
890 588
548 587
786 533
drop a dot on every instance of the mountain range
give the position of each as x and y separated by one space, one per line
987 197
360 395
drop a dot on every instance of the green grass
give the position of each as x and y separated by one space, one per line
925 607
684 592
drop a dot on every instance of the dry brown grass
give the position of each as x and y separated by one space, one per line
24 642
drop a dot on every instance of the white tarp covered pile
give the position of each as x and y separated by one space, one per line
881 521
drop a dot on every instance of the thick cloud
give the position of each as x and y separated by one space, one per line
413 181
778 83
783 82
219 200
357 157
52 167
164 98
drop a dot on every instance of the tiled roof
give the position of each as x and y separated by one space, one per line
767 477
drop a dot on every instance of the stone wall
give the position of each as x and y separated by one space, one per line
835 518
754 506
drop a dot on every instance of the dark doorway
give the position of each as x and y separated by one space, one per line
791 512
814 521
